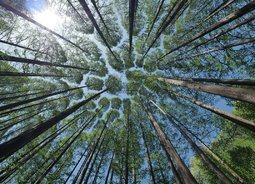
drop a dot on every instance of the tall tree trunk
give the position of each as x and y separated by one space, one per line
20 46
21 160
231 17
132 5
221 176
19 74
20 14
98 168
127 149
85 168
160 4
176 174
247 95
13 145
238 82
100 16
235 119
152 176
76 165
109 169
6 113
82 128
92 19
23 102
86 180
212 154
37 62
180 165
81 18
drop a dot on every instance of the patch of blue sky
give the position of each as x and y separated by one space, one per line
35 5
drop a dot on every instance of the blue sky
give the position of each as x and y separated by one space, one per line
37 5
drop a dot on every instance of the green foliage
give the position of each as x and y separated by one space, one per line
114 84
116 103
104 102
95 83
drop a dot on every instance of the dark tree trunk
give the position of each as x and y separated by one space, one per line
231 17
13 145
180 165
109 169
39 180
37 62
19 74
20 46
242 94
23 102
235 119
152 176
208 163
92 19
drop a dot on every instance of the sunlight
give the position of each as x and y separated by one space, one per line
49 18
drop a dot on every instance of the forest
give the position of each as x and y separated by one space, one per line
127 91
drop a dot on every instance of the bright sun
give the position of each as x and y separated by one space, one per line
49 18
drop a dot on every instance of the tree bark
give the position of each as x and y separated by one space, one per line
180 165
64 151
109 169
23 102
235 119
13 145
247 95
37 62
19 74
231 17
221 176
152 176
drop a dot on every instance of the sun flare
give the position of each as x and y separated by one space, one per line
49 18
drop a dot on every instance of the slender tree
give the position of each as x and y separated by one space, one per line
180 165
27 136
225 91
221 176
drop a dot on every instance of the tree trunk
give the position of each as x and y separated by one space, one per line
132 5
221 176
235 119
23 102
26 48
180 165
85 168
109 169
92 19
247 95
98 168
13 145
20 14
37 62
19 74
153 181
127 150
231 17
39 180
171 164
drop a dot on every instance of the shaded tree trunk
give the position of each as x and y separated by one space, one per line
23 102
37 62
109 169
235 119
180 165
231 17
13 145
208 163
246 95
81 129
152 176
19 74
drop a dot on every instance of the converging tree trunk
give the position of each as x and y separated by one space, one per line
180 165
13 145
247 95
